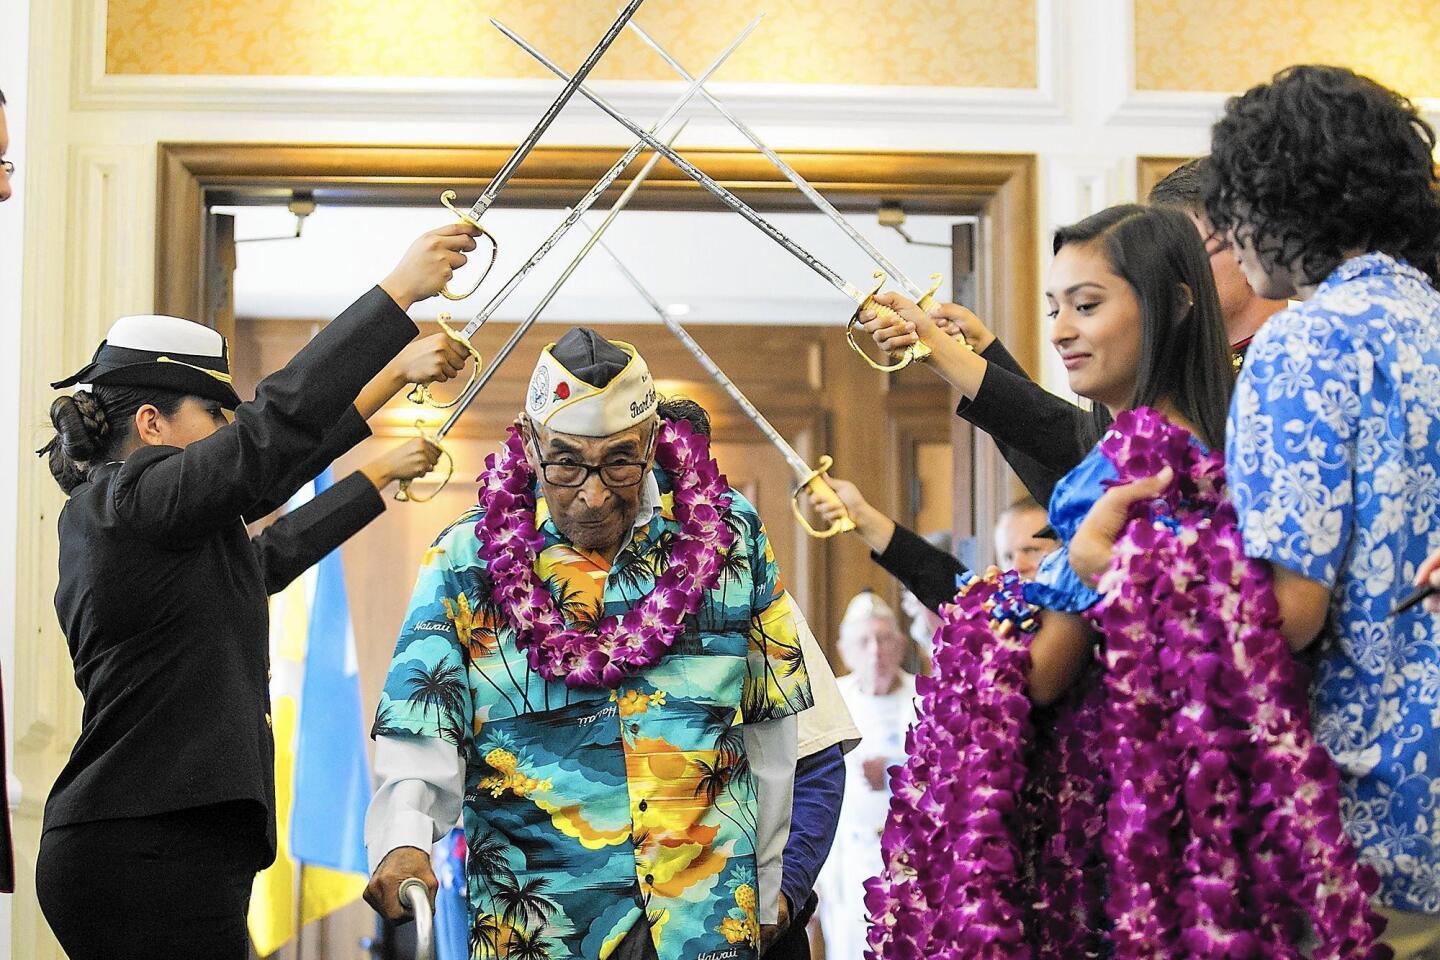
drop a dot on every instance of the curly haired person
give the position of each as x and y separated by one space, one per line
1324 183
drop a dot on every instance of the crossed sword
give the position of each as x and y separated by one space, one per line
808 479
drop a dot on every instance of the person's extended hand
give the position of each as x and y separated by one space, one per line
1429 572
1094 542
399 865
430 263
770 932
411 459
436 358
844 498
957 321
900 326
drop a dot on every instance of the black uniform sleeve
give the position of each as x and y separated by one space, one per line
164 492
923 569
1038 433
305 535
349 430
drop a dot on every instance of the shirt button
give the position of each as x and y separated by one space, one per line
644 806
650 879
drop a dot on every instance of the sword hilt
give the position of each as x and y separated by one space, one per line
927 301
467 217
814 484
420 392
917 351
403 492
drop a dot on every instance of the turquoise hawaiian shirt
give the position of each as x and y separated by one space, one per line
588 809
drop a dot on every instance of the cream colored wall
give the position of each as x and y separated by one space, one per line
1232 44
811 41
89 212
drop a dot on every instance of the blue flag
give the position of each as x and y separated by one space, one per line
332 772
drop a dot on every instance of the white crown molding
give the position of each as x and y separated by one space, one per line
432 98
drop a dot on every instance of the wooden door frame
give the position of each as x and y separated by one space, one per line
1000 189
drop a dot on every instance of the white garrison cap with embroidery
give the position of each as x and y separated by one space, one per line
588 386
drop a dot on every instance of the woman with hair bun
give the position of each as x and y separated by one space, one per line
156 827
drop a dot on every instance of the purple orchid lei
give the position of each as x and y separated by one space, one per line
620 646
1174 805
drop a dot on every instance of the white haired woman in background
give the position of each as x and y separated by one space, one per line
881 698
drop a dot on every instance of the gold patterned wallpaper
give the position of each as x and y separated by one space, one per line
1230 45
800 41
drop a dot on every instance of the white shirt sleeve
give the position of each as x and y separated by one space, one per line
771 748
422 786
828 722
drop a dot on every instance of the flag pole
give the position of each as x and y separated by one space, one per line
300 911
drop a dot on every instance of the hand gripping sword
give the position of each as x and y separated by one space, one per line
923 296
420 393
806 479
474 389
864 300
473 215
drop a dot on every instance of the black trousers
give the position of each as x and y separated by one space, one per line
794 943
170 887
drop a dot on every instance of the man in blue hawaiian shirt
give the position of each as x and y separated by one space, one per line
1324 181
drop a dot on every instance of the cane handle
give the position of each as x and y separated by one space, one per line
415 897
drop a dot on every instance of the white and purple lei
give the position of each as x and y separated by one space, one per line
620 646
1174 805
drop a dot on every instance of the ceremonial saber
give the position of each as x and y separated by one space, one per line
416 896
474 389
420 393
497 183
916 351
923 296
809 480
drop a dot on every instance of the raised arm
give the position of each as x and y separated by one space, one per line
168 492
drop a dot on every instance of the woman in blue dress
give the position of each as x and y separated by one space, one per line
1136 321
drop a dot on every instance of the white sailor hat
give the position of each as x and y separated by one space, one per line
163 352
588 386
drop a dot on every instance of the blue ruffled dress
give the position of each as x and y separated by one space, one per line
1056 586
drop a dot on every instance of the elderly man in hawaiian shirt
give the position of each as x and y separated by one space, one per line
625 799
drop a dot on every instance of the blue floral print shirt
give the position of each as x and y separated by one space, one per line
1333 457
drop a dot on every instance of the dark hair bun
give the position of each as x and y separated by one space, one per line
81 425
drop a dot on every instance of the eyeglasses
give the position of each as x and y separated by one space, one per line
8 166
618 474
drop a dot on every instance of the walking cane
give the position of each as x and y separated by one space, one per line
416 896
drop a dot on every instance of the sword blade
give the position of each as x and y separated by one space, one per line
469 395
699 176
912 288
533 137
601 185
796 462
